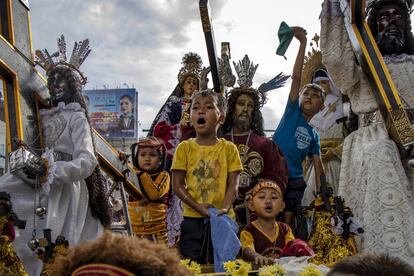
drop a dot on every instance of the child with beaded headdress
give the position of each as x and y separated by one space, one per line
149 215
264 238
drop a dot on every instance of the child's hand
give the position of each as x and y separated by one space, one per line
222 211
203 209
300 34
262 260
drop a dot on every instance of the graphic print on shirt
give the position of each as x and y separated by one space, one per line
303 138
207 173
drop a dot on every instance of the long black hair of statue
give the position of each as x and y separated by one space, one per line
257 119
372 11
96 182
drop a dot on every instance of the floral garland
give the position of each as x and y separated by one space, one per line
272 270
237 267
192 266
311 270
279 270
241 268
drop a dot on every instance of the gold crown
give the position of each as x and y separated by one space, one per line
192 64
79 53
312 62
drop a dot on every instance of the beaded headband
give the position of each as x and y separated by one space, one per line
262 185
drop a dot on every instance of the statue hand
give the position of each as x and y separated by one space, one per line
203 78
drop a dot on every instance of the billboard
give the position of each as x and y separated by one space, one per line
113 112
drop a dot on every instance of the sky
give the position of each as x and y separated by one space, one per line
140 43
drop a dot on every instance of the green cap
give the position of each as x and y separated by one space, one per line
285 34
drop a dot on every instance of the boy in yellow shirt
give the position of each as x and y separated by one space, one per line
205 173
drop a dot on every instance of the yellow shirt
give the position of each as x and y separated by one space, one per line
207 168
270 246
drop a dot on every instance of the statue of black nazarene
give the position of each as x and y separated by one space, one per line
70 196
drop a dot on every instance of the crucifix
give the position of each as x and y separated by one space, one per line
370 58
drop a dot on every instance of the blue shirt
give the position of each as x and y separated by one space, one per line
296 138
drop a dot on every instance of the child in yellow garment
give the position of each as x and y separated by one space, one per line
205 173
149 216
264 239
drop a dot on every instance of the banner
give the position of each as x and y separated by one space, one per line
113 112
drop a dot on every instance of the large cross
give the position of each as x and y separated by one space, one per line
210 43
369 56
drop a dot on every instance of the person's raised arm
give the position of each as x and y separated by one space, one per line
300 35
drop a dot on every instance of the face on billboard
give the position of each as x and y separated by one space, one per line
125 104
112 112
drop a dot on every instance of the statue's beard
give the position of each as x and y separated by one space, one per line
391 42
242 124
59 96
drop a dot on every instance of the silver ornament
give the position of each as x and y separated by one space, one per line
41 211
33 244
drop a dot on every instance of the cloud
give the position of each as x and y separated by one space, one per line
141 43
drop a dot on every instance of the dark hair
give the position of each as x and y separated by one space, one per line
315 87
86 97
220 100
138 256
372 11
74 88
96 182
372 264
257 119
127 97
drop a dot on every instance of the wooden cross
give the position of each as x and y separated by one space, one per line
210 43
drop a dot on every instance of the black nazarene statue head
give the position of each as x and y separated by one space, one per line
390 24
244 102
64 86
253 122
